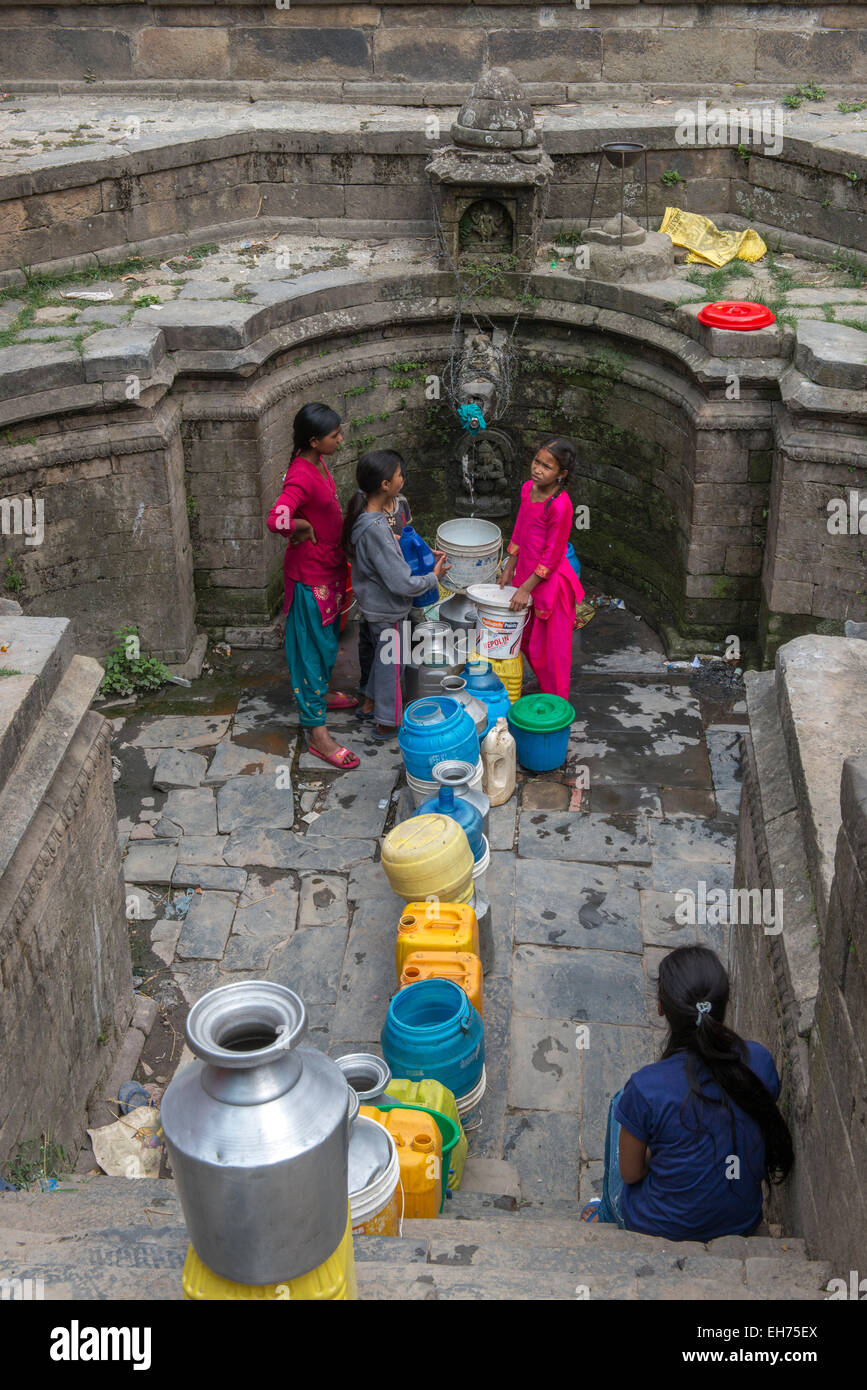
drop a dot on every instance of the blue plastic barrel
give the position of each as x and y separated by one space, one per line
464 811
432 1031
435 729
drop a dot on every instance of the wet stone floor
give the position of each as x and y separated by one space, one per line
248 858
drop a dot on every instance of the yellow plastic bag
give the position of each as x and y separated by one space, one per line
706 243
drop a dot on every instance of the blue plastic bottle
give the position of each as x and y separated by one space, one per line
467 815
483 682
421 560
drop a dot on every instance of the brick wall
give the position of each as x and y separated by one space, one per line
395 48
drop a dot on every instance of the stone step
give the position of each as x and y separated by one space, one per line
100 1238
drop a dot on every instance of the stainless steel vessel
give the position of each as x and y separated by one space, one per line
257 1131
436 651
366 1074
456 688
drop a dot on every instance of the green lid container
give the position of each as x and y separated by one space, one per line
541 714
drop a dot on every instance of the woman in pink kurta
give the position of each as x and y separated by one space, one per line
537 564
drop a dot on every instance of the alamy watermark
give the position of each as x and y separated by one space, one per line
761 126
737 907
23 516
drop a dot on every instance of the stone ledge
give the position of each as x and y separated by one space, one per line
27 788
832 355
822 699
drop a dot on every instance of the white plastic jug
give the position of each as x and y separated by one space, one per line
500 763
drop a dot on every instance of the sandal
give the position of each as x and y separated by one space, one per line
592 1207
340 701
383 738
342 759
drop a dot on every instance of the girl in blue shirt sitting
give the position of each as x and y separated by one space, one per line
691 1138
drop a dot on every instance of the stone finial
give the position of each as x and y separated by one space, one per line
496 115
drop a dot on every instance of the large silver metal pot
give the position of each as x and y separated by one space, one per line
432 655
257 1130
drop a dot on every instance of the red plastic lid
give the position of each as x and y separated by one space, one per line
740 314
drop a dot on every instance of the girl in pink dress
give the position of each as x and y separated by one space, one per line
537 564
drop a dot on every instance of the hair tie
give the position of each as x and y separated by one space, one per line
702 1008
361 493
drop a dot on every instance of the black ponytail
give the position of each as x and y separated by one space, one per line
313 421
372 470
691 975
563 451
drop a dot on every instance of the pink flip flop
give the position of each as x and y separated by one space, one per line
341 701
338 759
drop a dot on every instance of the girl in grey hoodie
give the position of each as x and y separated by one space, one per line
382 581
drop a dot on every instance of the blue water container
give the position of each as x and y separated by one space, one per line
483 682
435 729
467 815
573 559
432 1032
421 560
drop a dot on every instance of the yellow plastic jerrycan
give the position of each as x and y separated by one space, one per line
433 1095
463 967
429 856
511 673
420 1154
436 926
333 1280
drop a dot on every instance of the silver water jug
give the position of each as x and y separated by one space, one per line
436 651
257 1131
461 614
456 688
367 1075
452 772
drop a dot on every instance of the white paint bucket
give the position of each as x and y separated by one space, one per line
500 628
423 790
377 1209
473 548
470 1105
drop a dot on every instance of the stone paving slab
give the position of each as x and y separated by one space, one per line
658 923
206 926
545 1066
209 876
178 769
487 1140
568 904
624 799
250 953
604 986
232 760
195 810
679 874
150 862
640 759
628 707
202 849
283 849
570 835
310 963
182 731
503 819
502 895
261 803
323 901
695 841
537 1141
267 912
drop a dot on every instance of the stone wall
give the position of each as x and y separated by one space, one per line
290 175
803 992
395 50
65 975
688 491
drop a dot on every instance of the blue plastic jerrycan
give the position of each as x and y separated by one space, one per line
421 560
